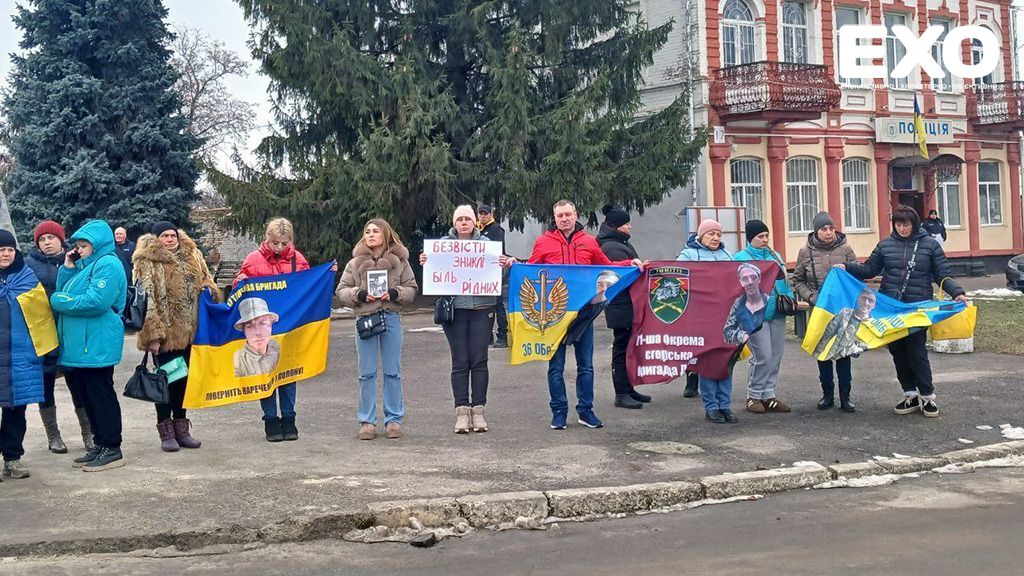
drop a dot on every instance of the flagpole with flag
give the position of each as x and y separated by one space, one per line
922 141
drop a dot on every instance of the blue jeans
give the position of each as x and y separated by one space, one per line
716 394
287 395
584 349
388 345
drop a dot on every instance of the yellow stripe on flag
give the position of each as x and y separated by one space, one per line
35 307
528 344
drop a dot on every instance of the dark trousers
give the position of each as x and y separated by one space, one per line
50 382
912 367
12 433
468 337
843 369
176 388
500 315
101 404
620 376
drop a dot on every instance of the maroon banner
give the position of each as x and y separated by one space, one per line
695 316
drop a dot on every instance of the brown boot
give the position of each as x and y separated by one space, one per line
775 405
394 430
462 417
367 431
168 443
755 406
182 435
479 424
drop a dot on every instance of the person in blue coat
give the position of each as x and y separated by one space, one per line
21 367
91 292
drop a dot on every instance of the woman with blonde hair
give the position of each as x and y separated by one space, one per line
381 251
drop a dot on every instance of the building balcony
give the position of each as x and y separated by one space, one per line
996 106
772 91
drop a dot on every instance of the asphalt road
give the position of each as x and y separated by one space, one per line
938 525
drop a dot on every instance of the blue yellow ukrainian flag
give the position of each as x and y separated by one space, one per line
545 300
299 302
919 133
35 309
838 326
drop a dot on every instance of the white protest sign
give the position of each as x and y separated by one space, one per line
462 268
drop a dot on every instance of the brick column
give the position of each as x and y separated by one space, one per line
778 151
833 179
883 154
972 154
1013 160
719 153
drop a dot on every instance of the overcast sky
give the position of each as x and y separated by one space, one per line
220 19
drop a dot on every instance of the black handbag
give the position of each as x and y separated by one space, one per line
134 314
785 305
148 386
371 325
444 310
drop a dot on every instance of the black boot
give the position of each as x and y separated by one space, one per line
827 396
691 390
844 398
626 401
273 429
638 396
288 428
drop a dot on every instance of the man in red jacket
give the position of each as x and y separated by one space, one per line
567 243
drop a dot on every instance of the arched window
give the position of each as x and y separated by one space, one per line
737 33
802 193
977 50
794 32
948 194
856 211
747 187
989 193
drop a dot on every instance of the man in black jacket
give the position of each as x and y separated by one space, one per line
909 260
614 240
124 248
934 226
490 228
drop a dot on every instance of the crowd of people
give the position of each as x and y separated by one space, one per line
86 276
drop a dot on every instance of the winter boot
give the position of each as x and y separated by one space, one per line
692 386
49 417
844 398
272 427
463 414
182 435
827 396
288 428
479 424
167 441
83 423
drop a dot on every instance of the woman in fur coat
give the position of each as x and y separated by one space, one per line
379 250
171 269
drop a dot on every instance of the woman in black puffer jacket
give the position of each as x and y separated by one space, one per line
614 240
909 260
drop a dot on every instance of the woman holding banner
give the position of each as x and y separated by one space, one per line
168 265
909 260
825 248
380 250
468 336
768 343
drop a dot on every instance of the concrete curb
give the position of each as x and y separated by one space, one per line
509 508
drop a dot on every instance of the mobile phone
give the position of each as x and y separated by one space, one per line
74 255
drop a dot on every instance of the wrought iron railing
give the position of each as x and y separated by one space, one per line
772 87
1001 103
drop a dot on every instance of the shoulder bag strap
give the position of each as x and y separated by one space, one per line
814 272
293 262
910 269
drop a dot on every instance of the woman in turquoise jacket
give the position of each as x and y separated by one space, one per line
767 344
91 291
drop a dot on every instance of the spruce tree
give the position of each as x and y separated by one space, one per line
405 109
93 121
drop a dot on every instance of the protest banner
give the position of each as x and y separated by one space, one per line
695 317
462 268
544 302
271 331
850 318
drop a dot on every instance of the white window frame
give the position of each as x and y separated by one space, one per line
941 84
802 198
986 189
795 32
743 190
894 49
738 18
944 190
977 51
860 17
856 174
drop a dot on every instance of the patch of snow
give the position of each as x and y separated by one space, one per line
964 441
983 427
810 465
862 482
995 293
968 467
427 329
1012 433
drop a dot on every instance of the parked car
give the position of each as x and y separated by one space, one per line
1015 273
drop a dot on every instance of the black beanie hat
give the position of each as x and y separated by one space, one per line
615 216
7 239
159 228
755 227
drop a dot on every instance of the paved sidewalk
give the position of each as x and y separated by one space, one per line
237 478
